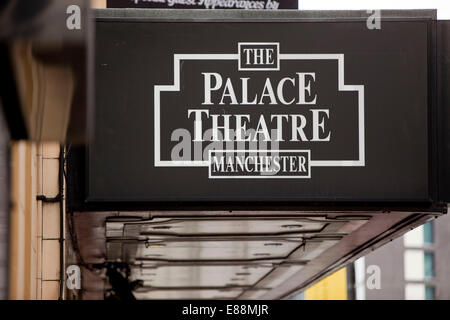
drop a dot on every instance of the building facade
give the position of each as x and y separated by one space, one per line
412 267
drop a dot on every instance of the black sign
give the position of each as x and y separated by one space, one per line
206 4
260 111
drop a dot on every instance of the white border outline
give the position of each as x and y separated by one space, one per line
259 176
277 68
315 56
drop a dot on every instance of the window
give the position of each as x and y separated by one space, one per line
429 293
429 264
428 232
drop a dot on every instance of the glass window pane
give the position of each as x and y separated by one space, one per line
428 236
429 264
429 293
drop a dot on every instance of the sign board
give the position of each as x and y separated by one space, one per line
206 4
260 111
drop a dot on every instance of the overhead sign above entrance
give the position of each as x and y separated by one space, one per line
260 110
206 4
